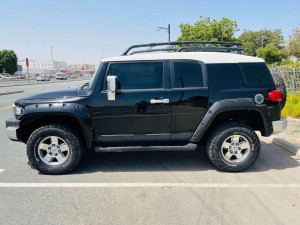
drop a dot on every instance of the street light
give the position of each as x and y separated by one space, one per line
262 40
167 29
52 61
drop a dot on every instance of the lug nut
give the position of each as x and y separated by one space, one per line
239 148
231 151
49 148
59 151
55 154
237 144
235 152
53 145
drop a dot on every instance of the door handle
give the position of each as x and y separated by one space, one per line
161 101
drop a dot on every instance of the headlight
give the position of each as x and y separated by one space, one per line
17 110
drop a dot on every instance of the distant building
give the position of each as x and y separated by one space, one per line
81 67
42 66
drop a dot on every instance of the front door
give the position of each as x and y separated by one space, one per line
141 111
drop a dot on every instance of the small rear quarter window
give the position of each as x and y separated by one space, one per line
257 74
225 76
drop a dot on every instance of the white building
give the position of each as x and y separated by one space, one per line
42 66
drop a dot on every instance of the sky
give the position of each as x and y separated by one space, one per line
87 30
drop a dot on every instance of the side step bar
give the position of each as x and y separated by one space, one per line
188 147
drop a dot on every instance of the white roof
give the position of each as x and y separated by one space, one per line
206 57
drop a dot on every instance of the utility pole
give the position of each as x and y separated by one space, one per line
52 61
167 29
27 65
83 66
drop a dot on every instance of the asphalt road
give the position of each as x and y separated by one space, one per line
145 187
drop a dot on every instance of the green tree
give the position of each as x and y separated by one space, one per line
9 61
253 40
294 43
206 29
270 54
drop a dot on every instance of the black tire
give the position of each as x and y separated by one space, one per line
218 137
68 135
280 85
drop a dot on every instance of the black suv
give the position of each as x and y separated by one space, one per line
151 102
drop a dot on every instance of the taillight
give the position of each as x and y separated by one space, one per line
275 95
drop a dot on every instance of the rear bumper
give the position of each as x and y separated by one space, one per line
279 125
13 129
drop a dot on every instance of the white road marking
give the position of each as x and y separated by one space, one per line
1 170
134 185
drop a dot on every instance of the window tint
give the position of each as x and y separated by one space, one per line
138 75
225 76
188 74
256 74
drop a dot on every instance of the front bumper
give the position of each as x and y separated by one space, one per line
13 129
279 125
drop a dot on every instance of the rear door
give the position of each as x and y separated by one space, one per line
189 97
141 111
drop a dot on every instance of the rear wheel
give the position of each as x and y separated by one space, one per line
233 147
54 149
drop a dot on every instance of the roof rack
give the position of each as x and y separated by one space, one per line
188 46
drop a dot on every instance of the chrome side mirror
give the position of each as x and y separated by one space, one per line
112 87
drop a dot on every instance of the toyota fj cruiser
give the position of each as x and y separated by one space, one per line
176 100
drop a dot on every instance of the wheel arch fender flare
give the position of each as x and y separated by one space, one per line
229 105
78 112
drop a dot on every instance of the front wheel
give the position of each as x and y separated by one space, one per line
54 149
233 147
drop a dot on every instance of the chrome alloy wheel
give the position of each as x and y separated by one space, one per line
235 148
53 150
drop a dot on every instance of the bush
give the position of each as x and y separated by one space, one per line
292 107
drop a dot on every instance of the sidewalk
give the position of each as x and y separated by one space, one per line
290 138
292 132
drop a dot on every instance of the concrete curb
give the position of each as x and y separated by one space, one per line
10 92
292 148
46 82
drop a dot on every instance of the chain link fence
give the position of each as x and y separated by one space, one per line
290 75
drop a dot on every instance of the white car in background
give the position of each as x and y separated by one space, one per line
61 76
42 78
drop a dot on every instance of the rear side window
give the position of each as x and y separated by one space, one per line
257 74
188 74
225 76
148 75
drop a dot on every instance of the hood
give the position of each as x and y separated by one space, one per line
60 93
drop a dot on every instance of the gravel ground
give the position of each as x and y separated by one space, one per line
292 133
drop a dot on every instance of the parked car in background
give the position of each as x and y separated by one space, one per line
7 76
21 76
61 76
42 78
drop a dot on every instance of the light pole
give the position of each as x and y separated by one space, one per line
262 40
167 29
52 60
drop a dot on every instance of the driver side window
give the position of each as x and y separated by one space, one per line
140 75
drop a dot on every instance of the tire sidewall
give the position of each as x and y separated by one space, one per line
44 132
223 132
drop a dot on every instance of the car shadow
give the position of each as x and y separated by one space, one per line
271 158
